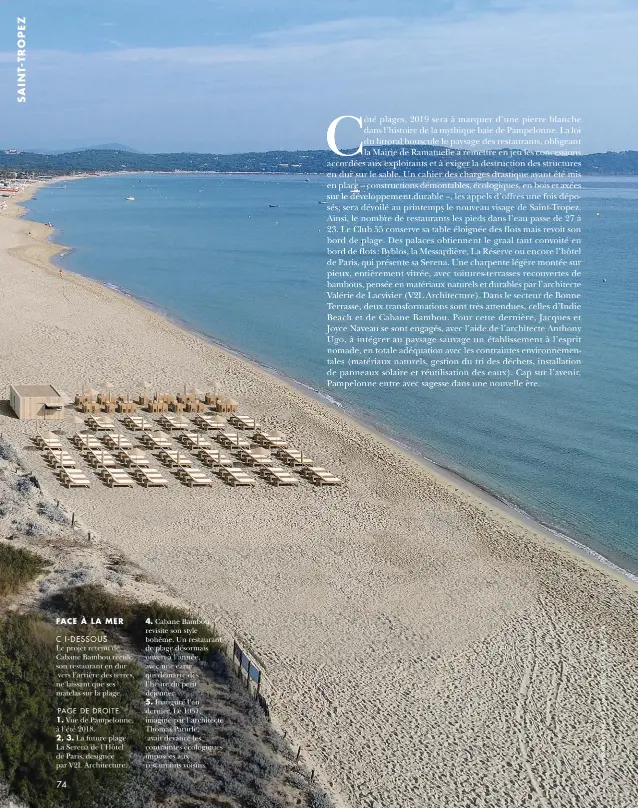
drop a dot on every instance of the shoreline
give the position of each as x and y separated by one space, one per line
403 619
458 480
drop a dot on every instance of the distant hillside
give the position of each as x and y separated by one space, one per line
286 162
73 149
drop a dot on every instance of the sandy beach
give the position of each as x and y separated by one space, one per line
425 647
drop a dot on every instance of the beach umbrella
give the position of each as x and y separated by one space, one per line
147 386
134 455
91 392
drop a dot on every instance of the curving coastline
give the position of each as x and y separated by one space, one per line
408 600
581 544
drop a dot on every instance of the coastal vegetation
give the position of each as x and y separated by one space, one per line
17 164
245 762
29 702
254 768
17 568
94 601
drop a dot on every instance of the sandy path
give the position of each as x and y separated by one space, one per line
425 648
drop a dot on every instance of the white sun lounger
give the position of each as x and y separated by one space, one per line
74 478
100 423
195 440
271 440
48 443
86 441
116 478
232 440
100 458
243 421
171 421
156 440
278 475
149 477
215 457
138 422
294 457
236 476
51 444
58 457
117 441
192 477
171 457
255 457
320 476
210 422
133 457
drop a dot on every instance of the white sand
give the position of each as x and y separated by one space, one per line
424 646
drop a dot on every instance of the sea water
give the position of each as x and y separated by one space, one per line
242 259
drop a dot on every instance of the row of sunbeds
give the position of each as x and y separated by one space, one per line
250 453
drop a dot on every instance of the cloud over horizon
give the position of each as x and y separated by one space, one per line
279 88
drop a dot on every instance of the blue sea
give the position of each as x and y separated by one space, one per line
209 251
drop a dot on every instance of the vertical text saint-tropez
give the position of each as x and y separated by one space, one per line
21 58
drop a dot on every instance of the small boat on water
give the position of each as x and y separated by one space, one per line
130 199
273 206
356 189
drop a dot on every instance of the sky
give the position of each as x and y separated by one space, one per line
239 75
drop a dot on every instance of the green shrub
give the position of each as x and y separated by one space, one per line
92 600
17 568
28 718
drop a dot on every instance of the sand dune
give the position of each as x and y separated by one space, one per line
425 647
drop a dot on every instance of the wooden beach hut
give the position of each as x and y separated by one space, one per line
37 401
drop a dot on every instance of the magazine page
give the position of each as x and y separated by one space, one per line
318 448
